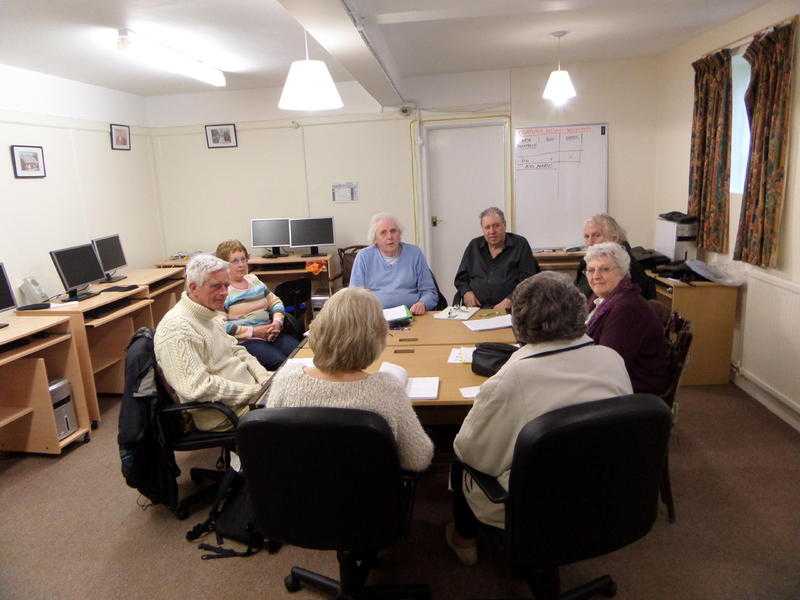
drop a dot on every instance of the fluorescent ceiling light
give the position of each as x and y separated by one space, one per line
309 86
160 57
559 86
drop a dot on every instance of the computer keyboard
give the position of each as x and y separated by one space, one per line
120 288
106 309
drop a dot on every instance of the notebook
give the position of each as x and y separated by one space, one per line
486 324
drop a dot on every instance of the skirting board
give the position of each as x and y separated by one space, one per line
775 402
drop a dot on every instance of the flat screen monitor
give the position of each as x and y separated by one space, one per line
269 233
7 300
109 251
312 232
77 267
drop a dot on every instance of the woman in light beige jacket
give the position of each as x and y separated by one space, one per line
557 366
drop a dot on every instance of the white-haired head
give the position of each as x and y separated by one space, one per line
200 266
376 220
613 251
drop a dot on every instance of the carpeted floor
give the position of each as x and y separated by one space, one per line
70 528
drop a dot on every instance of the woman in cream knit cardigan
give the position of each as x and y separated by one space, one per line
347 336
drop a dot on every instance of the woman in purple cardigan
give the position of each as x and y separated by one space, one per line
623 320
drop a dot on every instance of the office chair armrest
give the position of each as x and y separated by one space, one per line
226 410
489 485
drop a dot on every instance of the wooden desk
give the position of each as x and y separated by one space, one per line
430 361
274 271
427 331
711 308
164 287
559 260
101 338
34 351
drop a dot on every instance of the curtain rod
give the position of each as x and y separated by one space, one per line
750 36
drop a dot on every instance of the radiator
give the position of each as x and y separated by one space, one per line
771 337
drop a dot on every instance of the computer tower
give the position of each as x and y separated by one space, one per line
63 409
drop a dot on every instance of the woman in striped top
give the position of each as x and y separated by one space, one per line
255 314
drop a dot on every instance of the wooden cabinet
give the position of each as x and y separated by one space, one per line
33 352
712 310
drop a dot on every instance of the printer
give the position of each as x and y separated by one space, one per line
676 236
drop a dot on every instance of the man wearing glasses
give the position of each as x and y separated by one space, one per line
493 264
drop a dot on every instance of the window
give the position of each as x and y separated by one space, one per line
740 134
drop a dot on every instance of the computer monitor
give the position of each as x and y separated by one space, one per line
109 251
269 233
312 232
7 300
77 267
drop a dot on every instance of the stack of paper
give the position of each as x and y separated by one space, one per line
470 392
461 355
487 324
456 313
417 388
398 313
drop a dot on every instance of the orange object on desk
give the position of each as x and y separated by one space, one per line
316 267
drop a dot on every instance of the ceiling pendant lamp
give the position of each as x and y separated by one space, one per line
309 86
559 86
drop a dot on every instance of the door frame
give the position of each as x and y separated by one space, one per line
424 216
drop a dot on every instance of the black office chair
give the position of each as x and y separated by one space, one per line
584 482
441 301
328 479
171 429
347 256
296 298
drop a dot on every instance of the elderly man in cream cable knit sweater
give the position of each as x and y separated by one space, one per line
200 360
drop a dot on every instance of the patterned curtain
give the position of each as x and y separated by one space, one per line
710 164
768 101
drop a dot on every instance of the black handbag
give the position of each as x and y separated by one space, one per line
489 357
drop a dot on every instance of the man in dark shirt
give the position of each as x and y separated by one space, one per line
493 264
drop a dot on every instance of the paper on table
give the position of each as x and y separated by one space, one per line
398 313
461 355
417 388
304 362
491 323
469 392
456 313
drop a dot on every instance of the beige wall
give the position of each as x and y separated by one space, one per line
280 171
89 191
622 94
673 137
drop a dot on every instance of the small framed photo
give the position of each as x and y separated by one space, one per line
28 161
120 137
221 136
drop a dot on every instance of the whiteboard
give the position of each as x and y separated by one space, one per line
560 180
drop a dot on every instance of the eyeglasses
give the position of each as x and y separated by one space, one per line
238 261
455 310
600 270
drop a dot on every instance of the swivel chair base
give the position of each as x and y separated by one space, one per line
353 573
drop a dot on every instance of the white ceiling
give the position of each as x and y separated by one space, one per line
254 41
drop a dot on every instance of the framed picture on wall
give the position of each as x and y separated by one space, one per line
28 161
221 136
120 137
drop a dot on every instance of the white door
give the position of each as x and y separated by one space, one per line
466 170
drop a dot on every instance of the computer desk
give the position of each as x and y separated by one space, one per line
274 271
103 325
33 352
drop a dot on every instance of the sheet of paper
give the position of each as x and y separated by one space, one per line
461 355
456 313
396 371
469 392
303 362
487 324
398 313
422 388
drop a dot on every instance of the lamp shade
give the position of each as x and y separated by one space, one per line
309 86
559 88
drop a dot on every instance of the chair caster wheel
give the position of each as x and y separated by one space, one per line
292 583
611 590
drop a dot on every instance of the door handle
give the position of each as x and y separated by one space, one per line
435 221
